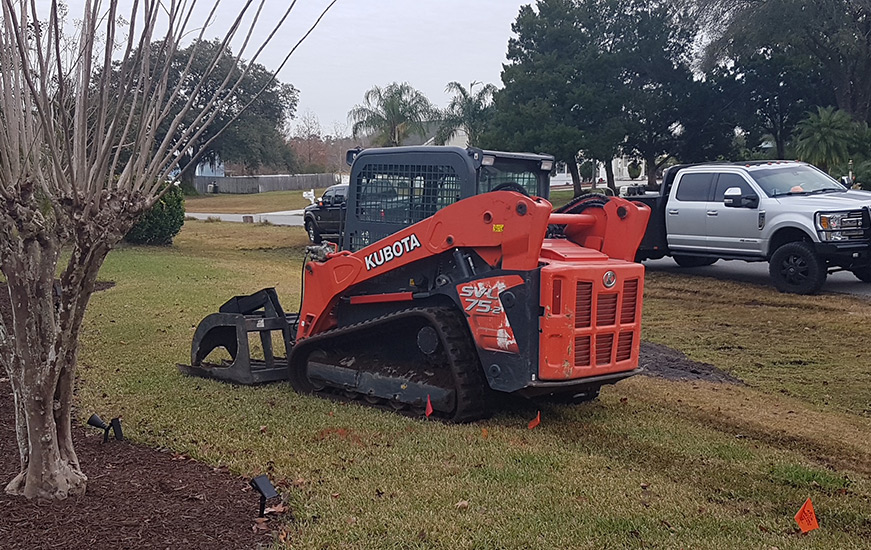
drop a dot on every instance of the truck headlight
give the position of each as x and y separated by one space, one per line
839 226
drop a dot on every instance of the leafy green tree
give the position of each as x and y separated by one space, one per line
468 110
599 77
253 135
557 95
835 33
770 91
824 137
391 114
668 112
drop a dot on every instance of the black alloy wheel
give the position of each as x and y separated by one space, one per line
795 268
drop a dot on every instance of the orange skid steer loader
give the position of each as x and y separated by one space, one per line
455 279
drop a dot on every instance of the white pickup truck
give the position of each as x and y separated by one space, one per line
795 217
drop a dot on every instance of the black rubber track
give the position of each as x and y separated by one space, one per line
471 389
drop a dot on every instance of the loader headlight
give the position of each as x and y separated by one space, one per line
839 226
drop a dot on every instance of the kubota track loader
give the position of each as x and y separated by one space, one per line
453 282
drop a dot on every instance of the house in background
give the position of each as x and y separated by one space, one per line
210 170
620 165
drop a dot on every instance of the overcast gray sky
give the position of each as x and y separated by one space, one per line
363 43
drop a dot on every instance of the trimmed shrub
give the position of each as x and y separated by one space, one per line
163 222
634 170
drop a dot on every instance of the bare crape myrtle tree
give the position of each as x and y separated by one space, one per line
91 124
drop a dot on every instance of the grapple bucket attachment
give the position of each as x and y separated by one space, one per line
229 328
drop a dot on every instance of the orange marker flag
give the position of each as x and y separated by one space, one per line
428 406
806 518
535 421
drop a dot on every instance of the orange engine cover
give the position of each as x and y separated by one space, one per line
591 324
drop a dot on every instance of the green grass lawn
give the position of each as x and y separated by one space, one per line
651 464
256 203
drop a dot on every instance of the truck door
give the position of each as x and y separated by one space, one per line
322 212
686 211
733 230
332 218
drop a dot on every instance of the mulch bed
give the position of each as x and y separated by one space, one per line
136 497
143 498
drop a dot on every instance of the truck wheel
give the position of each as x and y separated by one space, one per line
693 261
795 268
313 234
862 273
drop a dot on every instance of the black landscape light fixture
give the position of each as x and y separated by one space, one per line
262 485
114 425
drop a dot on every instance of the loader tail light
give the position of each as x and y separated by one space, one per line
557 301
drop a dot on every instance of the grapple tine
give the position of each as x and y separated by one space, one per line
241 315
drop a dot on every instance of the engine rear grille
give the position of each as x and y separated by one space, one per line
584 305
604 345
630 301
606 310
624 346
582 351
606 335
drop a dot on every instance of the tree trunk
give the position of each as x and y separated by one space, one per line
40 352
609 175
650 165
576 178
49 468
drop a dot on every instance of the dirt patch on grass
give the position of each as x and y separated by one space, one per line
664 362
136 497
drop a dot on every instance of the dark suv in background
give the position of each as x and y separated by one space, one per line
324 218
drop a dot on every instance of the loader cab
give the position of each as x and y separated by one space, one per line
392 188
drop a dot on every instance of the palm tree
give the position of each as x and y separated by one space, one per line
823 138
391 114
467 111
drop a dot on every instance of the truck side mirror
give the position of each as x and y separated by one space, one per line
734 198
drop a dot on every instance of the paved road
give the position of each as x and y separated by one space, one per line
757 272
286 217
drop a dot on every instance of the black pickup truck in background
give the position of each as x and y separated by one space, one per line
324 218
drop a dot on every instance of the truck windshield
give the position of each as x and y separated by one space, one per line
794 180
528 176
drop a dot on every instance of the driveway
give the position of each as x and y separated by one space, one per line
842 282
